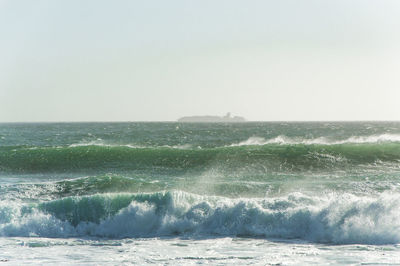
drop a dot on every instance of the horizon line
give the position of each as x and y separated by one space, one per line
175 121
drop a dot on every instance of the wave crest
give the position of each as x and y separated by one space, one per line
282 139
343 219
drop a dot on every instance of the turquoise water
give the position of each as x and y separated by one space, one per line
318 185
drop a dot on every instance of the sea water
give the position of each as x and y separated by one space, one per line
275 193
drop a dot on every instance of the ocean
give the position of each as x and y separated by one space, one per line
260 193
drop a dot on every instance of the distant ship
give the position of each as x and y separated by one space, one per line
211 118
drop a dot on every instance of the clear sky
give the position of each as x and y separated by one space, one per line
159 60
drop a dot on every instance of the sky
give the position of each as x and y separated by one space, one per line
307 60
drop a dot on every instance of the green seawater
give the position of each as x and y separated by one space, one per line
234 160
334 182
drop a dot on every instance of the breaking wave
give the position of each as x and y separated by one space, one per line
332 219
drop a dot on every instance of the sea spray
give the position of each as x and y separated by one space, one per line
274 193
332 219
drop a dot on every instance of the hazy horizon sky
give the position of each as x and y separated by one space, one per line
160 60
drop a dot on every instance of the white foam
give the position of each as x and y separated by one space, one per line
372 139
132 146
282 139
328 219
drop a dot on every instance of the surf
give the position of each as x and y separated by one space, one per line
339 219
